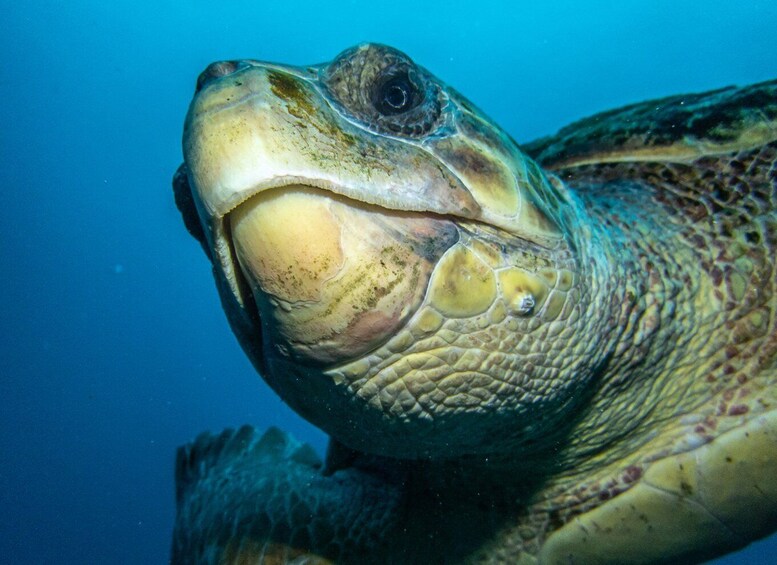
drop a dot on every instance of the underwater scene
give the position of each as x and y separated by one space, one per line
526 347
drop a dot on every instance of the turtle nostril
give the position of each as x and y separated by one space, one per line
214 71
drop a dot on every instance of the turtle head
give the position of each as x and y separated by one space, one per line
392 263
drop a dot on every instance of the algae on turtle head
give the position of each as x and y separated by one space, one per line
569 363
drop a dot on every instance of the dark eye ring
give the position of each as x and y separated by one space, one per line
396 95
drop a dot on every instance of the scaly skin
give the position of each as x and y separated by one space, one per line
590 370
697 355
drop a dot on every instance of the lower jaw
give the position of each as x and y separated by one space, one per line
333 278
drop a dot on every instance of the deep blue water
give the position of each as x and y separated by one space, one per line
114 348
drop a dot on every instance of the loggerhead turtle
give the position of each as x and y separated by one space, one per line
561 353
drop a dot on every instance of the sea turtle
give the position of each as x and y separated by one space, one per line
561 353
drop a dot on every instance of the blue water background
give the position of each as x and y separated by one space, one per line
114 349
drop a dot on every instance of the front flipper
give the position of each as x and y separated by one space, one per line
678 128
244 497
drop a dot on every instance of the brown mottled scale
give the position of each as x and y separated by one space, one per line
671 458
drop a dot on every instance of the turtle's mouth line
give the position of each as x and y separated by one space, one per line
356 198
336 192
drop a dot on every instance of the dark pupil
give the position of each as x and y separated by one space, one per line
396 96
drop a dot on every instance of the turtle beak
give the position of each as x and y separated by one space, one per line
254 126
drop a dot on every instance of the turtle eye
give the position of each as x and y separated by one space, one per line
396 95
383 89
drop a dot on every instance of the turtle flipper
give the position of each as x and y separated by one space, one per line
677 128
246 497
